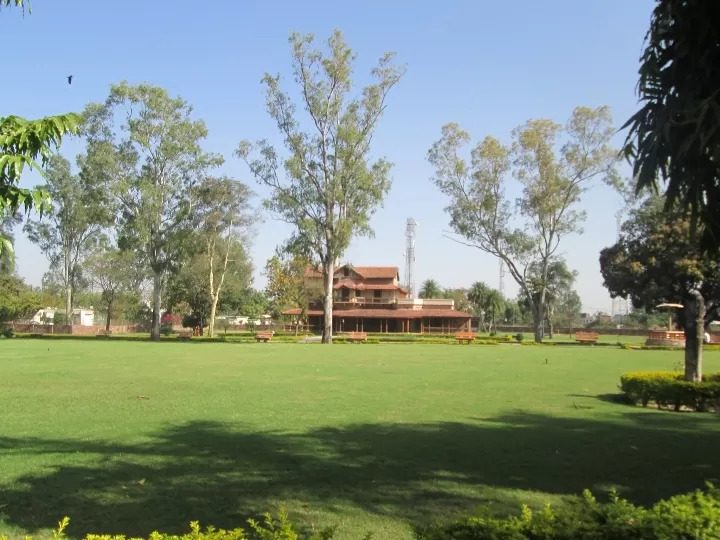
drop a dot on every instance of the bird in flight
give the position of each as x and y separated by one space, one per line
69 79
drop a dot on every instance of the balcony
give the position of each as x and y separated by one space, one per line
359 302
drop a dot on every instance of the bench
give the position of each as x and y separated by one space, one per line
104 333
465 337
264 337
357 336
586 337
185 335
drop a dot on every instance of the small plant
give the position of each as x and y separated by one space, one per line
519 337
7 332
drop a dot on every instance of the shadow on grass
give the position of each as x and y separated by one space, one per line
616 399
220 474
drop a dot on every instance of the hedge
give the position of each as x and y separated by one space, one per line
695 515
668 389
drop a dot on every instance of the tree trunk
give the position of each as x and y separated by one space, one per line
157 286
694 334
538 314
328 271
107 320
68 304
213 309
549 326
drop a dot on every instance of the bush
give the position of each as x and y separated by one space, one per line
7 332
696 515
270 528
668 389
519 337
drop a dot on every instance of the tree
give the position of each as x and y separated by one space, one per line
155 161
17 300
287 287
73 224
460 299
22 144
190 283
430 289
552 181
559 294
330 186
493 304
7 224
477 293
568 310
656 260
674 134
224 216
114 272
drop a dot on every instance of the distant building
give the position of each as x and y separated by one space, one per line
370 299
80 317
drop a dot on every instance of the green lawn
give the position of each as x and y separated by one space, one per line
369 437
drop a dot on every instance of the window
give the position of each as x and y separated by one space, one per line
357 292
346 272
377 294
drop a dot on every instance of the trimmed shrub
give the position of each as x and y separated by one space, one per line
7 332
668 389
696 515
519 337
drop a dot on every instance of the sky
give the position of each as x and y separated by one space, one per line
489 66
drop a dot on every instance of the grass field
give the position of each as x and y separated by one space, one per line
128 437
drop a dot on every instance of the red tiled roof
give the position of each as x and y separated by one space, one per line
387 313
368 272
377 272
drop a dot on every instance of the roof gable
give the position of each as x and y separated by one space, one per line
366 272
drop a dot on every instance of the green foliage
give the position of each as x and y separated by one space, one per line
694 515
668 389
73 225
552 184
430 289
270 528
519 337
154 160
329 184
7 332
28 143
674 135
17 300
656 260
60 318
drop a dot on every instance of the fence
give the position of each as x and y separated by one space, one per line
75 329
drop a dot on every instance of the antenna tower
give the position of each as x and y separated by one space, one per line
410 229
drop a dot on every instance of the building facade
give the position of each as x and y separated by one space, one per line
371 299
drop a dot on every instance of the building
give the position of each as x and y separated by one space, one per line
80 317
371 299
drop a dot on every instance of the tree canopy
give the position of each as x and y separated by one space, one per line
657 261
554 166
674 136
329 185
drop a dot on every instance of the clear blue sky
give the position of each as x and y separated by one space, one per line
486 65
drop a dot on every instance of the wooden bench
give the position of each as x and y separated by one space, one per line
586 337
465 337
357 336
185 335
104 333
263 336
